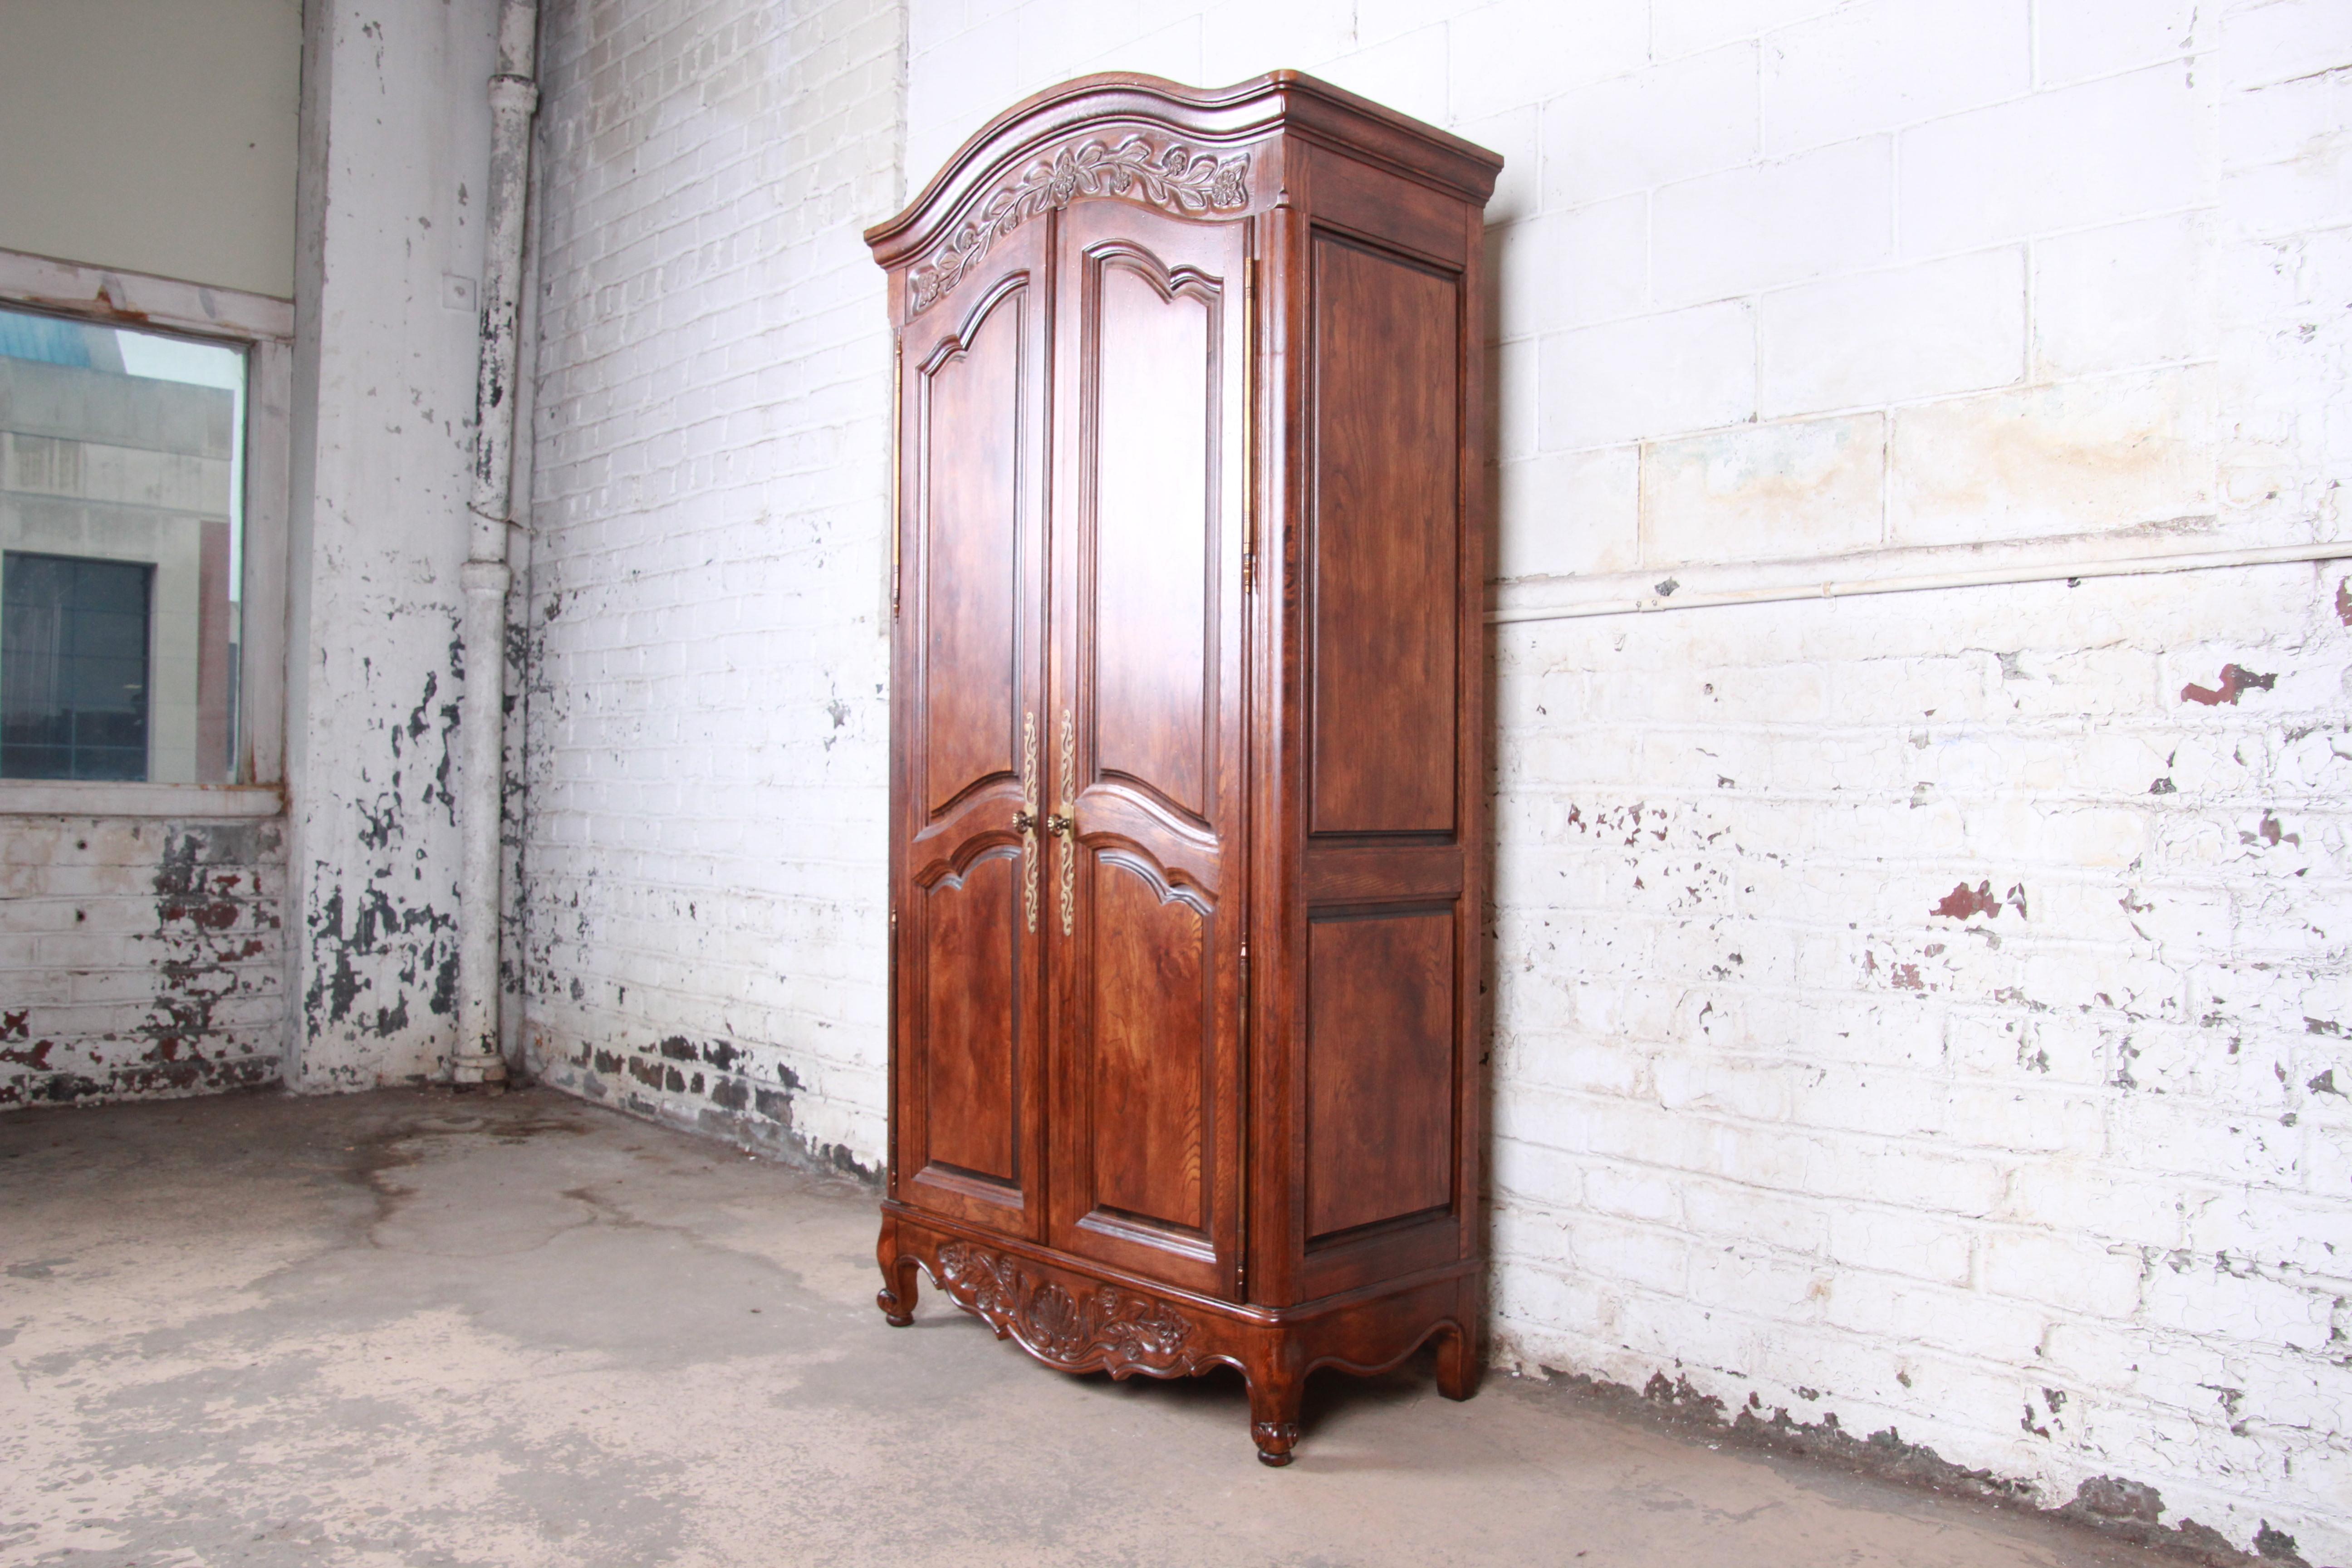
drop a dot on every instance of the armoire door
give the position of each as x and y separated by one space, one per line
969 900
1147 704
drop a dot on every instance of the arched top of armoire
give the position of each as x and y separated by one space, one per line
1210 152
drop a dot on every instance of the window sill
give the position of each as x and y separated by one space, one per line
185 802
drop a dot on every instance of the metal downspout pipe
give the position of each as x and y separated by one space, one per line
514 99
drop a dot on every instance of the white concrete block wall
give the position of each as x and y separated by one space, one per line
708 742
2051 1184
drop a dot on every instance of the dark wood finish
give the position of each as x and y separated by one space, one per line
1147 659
1188 737
1351 195
1384 526
970 995
1380 1069
1085 1318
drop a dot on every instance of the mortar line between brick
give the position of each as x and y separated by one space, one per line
1607 599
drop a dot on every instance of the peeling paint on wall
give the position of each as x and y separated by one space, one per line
144 958
1873 1049
395 150
2234 683
2129 1510
382 929
713 1086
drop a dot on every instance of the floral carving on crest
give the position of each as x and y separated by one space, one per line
1168 174
1108 1327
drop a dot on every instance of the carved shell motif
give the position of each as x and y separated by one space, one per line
1167 175
1112 1325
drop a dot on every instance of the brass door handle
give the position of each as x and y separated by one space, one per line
1025 821
1065 822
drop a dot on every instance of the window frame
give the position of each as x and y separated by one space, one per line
263 328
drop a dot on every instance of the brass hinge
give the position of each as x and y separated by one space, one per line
898 456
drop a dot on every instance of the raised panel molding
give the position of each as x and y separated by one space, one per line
1385 524
1148 438
970 995
1381 1067
1150 1072
1153 365
969 483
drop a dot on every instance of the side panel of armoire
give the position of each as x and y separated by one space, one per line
1368 1091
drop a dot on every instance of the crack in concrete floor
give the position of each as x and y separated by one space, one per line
405 1328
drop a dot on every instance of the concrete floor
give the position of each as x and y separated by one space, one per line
414 1328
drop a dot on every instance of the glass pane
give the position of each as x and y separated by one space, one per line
74 635
122 520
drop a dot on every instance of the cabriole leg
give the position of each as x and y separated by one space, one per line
1457 1363
1276 1388
897 1297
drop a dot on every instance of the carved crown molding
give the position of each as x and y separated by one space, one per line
1161 174
1109 1328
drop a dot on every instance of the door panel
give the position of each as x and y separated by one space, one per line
1154 403
971 1058
970 925
968 445
1154 1045
1146 702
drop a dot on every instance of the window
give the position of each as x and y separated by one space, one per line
73 667
121 545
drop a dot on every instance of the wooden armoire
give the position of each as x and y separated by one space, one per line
1188 735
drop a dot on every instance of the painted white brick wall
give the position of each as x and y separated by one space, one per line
1922 1010
2055 1186
395 142
140 958
1915 1009
147 956
708 723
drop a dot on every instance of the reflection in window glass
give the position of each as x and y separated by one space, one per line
122 521
73 668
